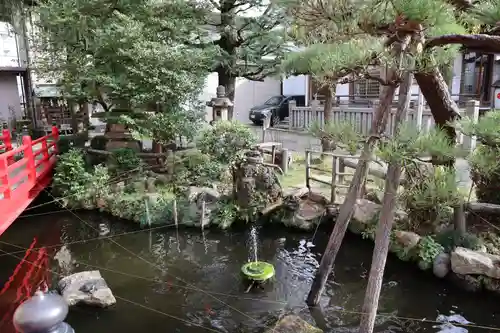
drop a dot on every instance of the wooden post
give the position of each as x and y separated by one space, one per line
28 154
176 217
334 175
308 171
386 221
202 218
285 156
4 172
471 111
420 109
459 222
315 112
266 123
291 116
379 124
341 165
273 154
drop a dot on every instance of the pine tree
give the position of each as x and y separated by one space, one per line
413 27
251 39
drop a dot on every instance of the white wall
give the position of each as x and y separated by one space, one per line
9 56
247 94
295 85
9 96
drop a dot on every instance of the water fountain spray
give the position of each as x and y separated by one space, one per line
255 271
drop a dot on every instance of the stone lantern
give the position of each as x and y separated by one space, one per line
220 105
42 313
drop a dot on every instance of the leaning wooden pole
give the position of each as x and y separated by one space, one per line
379 124
384 227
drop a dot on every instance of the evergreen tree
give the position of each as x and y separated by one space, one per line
125 53
251 39
403 36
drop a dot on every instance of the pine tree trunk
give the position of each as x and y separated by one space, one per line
326 145
384 227
229 82
444 110
379 124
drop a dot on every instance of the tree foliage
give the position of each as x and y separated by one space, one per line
484 161
226 140
251 37
346 38
126 52
166 127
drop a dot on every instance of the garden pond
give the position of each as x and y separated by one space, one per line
188 281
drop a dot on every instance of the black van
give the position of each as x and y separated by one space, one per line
276 107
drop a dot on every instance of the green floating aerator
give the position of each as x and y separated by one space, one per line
258 271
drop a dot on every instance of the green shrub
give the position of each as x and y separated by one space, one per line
70 172
75 185
124 160
484 161
485 173
428 250
225 140
429 196
200 169
450 239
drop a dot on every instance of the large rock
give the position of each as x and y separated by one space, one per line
209 194
365 211
203 200
86 287
364 214
255 182
465 261
466 282
407 239
293 324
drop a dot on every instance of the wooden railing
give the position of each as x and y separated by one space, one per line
6 139
20 167
301 118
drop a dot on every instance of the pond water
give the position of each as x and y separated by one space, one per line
186 281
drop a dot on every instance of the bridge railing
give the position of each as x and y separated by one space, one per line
17 178
6 139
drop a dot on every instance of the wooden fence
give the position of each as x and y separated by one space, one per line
301 118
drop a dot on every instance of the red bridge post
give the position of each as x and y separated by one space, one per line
55 136
4 171
7 143
28 154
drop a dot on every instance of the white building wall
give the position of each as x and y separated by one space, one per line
295 85
247 94
299 84
10 84
10 106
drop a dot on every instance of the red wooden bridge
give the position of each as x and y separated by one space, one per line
25 170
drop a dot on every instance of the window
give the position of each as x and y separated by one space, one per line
367 89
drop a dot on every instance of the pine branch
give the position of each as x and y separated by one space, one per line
461 4
481 42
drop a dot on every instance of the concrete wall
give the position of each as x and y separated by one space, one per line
9 96
248 94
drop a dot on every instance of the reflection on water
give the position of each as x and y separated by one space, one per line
190 278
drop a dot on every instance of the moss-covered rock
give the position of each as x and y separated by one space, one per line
293 324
